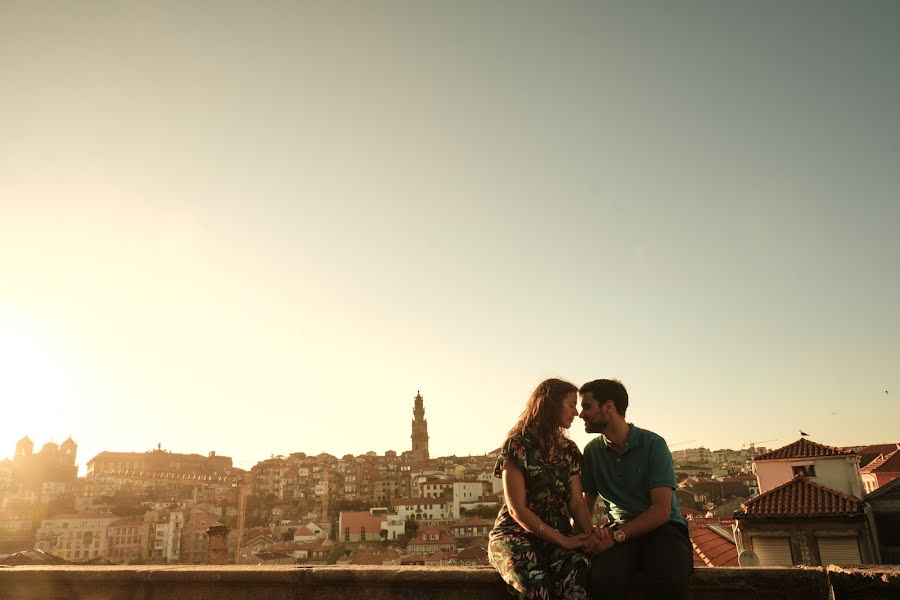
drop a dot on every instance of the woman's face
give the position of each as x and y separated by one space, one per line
569 410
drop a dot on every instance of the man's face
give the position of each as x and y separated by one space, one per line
595 419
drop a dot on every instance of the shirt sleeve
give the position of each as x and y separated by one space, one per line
662 471
588 483
514 451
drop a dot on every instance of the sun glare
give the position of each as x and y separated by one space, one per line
35 385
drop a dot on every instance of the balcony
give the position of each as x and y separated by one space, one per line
405 583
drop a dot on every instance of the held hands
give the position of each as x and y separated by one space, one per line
574 542
598 540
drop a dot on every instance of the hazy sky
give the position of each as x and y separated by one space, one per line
260 228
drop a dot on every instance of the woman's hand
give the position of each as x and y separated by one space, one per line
598 540
573 542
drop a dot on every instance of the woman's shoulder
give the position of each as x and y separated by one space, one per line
523 438
572 448
519 441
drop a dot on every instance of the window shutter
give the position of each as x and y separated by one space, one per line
773 551
839 551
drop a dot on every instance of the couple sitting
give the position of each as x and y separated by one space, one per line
548 484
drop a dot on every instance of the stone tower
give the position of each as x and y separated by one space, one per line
69 450
419 430
24 447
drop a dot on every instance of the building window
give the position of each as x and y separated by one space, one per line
346 534
804 470
362 534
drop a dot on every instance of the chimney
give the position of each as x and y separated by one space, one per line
217 548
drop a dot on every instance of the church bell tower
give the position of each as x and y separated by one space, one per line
419 430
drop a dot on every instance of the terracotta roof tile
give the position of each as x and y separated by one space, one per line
443 540
803 448
711 548
885 463
355 520
801 498
410 559
374 556
869 453
473 552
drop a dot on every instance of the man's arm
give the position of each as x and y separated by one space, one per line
662 482
653 517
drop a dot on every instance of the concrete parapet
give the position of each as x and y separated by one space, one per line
869 583
401 583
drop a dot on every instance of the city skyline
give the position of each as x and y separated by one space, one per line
414 455
260 230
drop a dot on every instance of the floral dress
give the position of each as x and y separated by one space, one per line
532 567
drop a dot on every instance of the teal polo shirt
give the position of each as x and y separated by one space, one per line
624 480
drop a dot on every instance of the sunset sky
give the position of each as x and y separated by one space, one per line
260 228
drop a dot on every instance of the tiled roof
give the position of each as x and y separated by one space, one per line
285 547
412 559
885 463
801 498
443 540
884 490
803 448
473 552
374 556
417 501
868 453
713 547
355 520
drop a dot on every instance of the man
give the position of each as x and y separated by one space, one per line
631 468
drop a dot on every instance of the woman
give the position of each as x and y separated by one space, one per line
532 544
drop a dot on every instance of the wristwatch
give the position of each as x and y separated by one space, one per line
617 533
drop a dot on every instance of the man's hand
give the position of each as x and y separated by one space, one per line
600 539
573 542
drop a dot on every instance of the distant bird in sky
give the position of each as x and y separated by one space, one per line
803 433
885 391
834 413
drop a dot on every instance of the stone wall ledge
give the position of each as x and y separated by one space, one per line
180 582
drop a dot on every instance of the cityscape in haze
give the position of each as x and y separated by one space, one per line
236 240
407 508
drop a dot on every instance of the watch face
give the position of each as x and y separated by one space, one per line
619 535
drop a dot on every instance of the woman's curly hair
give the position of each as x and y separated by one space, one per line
541 415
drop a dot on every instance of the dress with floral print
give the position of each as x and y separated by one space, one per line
532 567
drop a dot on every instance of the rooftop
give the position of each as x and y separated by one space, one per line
884 463
801 498
803 448
713 544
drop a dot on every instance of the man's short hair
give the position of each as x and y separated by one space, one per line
607 389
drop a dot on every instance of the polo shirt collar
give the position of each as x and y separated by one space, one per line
633 439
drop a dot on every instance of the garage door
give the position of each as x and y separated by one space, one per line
773 551
839 551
